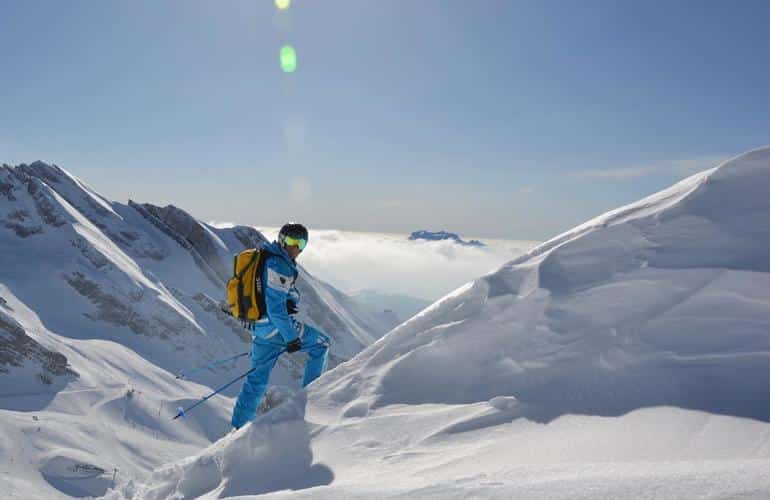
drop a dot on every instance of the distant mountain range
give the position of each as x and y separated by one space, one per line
443 235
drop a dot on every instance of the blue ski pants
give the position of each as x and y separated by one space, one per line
264 354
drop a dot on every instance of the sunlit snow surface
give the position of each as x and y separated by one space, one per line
627 358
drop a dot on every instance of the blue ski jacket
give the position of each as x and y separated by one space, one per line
279 276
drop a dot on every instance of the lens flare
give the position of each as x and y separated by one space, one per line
282 4
288 59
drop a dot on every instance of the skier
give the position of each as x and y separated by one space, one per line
279 331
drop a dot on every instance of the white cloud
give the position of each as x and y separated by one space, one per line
617 173
390 263
680 166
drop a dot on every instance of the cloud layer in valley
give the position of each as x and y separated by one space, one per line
390 263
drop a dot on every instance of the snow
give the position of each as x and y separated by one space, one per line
626 358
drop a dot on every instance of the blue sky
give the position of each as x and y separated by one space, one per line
489 118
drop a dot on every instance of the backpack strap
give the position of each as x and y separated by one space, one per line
259 284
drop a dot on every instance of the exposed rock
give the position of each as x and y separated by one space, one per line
149 214
94 256
443 235
51 174
18 215
22 230
46 206
6 190
18 220
22 223
75 194
8 182
129 235
248 236
213 307
16 347
193 233
121 312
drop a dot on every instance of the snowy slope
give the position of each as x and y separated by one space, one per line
100 305
626 358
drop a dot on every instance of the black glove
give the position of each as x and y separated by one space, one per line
294 346
291 307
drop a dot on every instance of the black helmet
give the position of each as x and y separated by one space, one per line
293 230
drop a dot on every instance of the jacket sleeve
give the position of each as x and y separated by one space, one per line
279 280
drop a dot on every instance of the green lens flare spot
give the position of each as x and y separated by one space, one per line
288 59
282 4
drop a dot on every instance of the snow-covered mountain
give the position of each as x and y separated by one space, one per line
626 358
101 304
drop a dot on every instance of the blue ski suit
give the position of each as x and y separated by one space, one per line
272 333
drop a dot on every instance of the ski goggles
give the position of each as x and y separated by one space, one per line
300 243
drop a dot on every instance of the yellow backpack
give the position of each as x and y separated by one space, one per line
245 290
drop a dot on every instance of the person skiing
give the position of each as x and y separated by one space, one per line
279 331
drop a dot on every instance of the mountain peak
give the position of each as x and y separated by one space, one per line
441 236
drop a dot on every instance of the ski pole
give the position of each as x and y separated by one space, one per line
183 375
183 411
